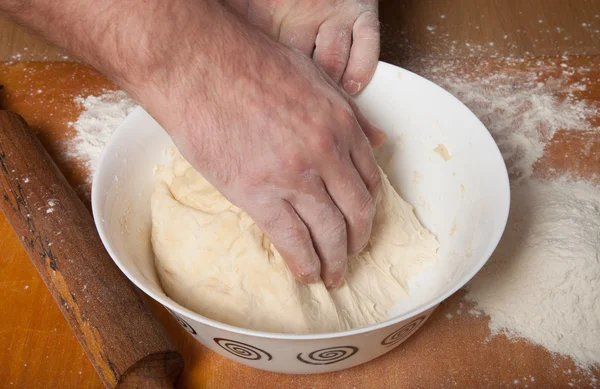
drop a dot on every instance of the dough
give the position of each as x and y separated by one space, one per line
212 259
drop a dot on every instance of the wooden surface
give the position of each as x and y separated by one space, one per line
38 350
17 45
490 28
116 329
417 27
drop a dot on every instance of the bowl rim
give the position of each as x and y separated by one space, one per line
174 306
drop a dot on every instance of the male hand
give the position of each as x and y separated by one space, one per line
259 120
342 36
283 142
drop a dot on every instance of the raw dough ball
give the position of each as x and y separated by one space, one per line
213 259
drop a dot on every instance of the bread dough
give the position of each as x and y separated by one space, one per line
212 259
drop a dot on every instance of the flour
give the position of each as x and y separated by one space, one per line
100 117
521 119
543 281
522 109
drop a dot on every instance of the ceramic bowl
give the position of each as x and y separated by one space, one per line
462 197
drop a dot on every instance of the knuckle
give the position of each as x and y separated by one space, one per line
337 229
366 212
294 161
270 221
345 118
254 178
368 24
334 264
294 235
362 228
323 141
333 61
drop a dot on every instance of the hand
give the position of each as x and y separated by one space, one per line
280 140
267 128
342 36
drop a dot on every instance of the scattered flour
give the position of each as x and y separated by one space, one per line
522 118
523 109
100 117
543 281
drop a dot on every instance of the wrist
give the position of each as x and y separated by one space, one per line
152 49
200 76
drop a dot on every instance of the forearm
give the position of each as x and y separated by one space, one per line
139 44
260 121
101 33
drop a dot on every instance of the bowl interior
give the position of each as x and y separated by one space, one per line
463 200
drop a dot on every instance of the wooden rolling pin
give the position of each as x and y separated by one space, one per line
123 340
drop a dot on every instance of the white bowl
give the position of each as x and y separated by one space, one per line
464 201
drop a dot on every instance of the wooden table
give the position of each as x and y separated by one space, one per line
38 350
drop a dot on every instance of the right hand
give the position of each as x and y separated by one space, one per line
342 36
283 142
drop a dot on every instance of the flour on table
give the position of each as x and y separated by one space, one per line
521 110
100 117
543 281
213 259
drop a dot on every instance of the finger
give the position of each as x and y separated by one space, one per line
332 48
327 229
299 37
364 162
364 53
292 239
350 194
374 134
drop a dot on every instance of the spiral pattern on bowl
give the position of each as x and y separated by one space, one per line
183 323
329 355
403 332
242 350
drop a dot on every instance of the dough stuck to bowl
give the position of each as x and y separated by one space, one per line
213 259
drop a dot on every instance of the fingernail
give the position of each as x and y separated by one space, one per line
352 87
309 273
308 278
335 285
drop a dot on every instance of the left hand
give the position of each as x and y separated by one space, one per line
342 36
